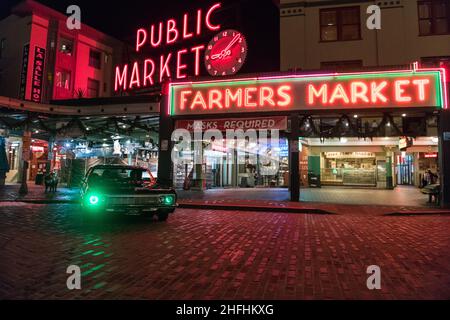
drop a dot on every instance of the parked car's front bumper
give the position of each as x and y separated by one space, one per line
130 204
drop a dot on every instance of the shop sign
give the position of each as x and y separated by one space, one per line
404 143
349 155
261 123
24 71
446 136
223 55
37 149
294 146
38 74
430 155
164 145
370 90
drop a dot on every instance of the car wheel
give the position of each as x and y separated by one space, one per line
162 215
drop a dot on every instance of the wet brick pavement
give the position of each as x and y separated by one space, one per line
205 254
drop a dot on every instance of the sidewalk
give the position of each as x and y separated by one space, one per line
36 193
240 202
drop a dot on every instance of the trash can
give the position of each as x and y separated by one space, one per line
39 180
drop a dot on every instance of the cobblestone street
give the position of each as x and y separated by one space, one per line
205 254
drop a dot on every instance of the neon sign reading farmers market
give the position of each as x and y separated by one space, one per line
391 89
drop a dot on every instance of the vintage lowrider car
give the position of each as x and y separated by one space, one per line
125 189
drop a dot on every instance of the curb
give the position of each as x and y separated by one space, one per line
253 208
418 213
41 201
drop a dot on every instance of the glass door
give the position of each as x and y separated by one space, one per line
405 170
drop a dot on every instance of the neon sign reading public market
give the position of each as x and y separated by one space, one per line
164 34
390 89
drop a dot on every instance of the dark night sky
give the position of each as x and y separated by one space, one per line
259 21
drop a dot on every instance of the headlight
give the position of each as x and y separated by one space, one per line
93 200
167 200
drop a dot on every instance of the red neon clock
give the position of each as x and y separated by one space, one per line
225 53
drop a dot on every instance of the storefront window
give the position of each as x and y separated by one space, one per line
63 79
230 165
66 46
349 168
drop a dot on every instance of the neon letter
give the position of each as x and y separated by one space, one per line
183 98
421 86
134 79
339 93
199 21
148 76
186 34
198 100
171 29
197 58
376 92
237 97
215 100
152 35
179 65
359 91
208 15
121 79
140 43
164 67
284 92
266 95
399 91
248 96
312 93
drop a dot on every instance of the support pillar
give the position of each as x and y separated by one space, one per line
26 157
389 171
294 158
50 158
4 166
444 157
165 144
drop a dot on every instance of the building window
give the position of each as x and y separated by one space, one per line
95 59
341 65
437 62
340 24
434 17
63 79
66 46
2 47
93 88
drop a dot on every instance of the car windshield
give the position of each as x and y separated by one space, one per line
120 175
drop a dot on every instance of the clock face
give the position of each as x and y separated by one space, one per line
225 53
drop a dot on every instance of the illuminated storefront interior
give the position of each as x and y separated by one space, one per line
351 131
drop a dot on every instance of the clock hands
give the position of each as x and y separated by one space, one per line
226 52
